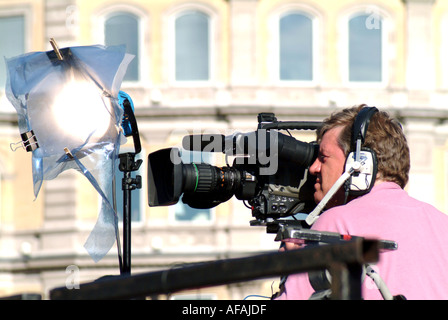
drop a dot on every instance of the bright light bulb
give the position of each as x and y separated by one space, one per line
79 111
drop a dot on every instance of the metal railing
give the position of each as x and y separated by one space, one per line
343 260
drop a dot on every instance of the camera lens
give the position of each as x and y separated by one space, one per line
205 178
206 186
199 177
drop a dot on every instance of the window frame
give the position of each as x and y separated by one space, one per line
169 58
139 29
98 35
27 14
386 29
312 20
443 52
209 53
274 42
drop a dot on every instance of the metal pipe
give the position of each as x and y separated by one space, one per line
350 255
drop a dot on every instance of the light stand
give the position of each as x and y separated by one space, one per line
127 165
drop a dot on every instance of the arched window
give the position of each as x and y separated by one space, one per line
192 47
365 61
443 70
296 47
12 41
122 28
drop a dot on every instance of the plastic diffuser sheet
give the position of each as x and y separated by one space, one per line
70 105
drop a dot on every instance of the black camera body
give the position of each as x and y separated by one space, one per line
269 172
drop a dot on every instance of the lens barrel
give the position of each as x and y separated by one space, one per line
205 178
206 186
199 177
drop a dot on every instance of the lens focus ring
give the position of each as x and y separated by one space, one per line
207 178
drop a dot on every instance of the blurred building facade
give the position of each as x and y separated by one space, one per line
214 65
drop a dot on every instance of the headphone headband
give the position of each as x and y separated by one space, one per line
362 180
361 124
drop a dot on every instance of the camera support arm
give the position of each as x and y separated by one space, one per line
293 231
314 215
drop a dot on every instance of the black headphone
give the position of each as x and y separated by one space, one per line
363 178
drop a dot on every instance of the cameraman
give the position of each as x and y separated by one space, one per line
417 269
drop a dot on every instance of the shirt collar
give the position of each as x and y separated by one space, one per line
386 185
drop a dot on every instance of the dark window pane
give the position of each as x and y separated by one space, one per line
122 29
364 50
296 47
192 46
12 41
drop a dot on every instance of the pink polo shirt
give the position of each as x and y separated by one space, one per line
417 269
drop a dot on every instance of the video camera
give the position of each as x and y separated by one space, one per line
269 171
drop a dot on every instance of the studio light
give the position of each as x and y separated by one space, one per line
70 117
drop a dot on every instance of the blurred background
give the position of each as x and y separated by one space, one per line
214 65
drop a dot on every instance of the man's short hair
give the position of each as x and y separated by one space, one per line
384 136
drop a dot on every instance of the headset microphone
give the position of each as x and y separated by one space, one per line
360 165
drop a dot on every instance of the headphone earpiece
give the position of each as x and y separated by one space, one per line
362 159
